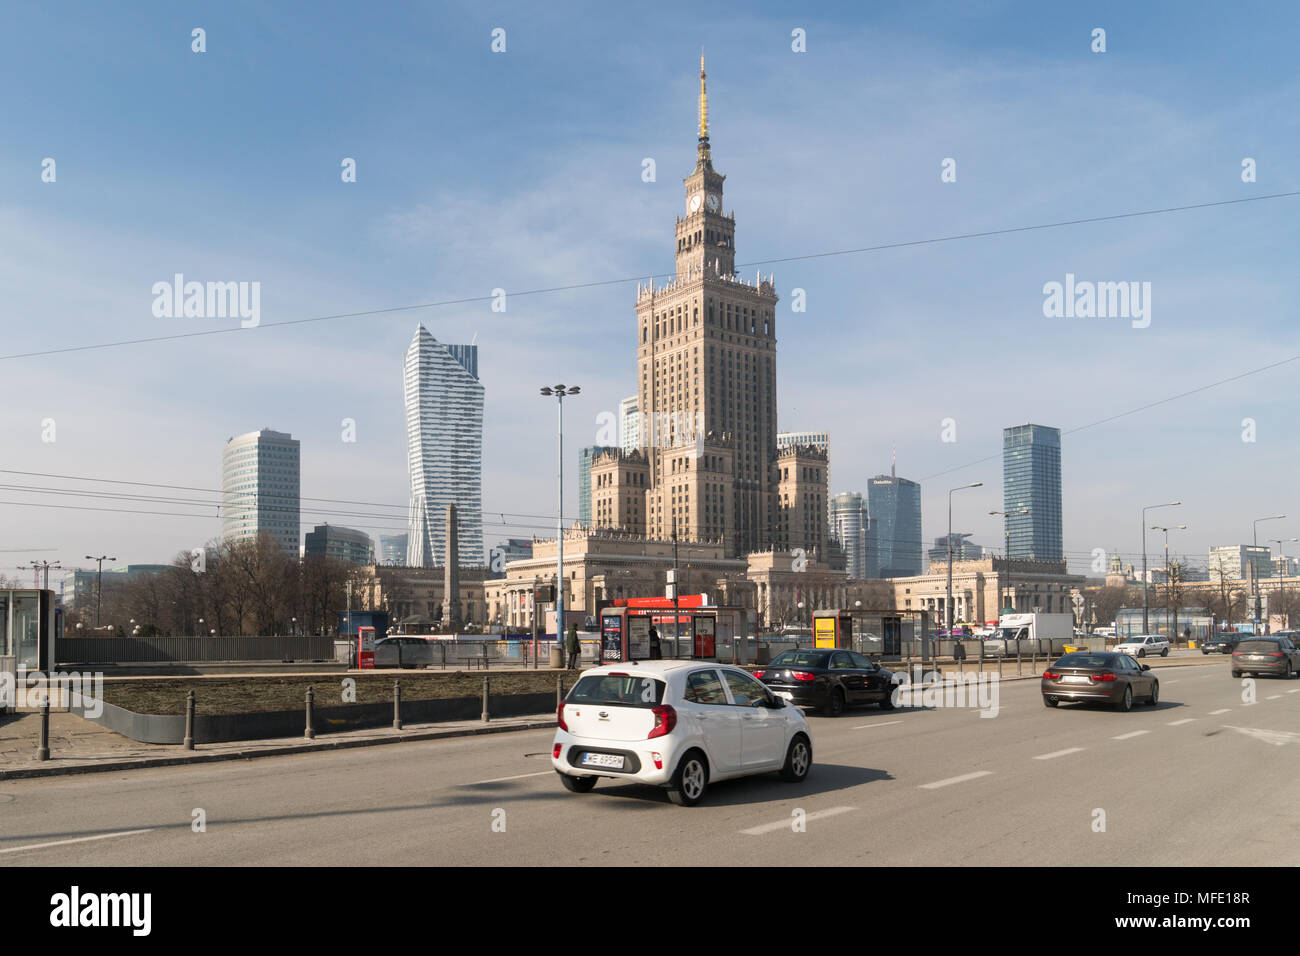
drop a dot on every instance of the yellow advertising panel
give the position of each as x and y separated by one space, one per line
824 632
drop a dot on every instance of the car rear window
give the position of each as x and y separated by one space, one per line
1249 646
1086 660
623 690
801 659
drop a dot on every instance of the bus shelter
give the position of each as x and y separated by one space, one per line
691 630
27 634
878 634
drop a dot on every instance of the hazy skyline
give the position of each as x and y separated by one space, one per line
522 170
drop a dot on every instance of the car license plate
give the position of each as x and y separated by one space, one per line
786 694
1074 679
613 761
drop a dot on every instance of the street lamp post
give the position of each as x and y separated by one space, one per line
1146 582
559 391
1254 571
1173 630
99 585
1006 550
948 605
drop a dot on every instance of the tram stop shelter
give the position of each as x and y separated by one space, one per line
27 631
689 630
880 635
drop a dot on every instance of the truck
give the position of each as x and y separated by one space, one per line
1033 633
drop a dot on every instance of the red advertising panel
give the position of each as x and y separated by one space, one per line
366 648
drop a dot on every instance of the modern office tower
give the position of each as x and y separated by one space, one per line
585 455
346 544
260 488
849 525
1031 479
962 548
512 549
894 536
444 441
392 549
1240 561
629 425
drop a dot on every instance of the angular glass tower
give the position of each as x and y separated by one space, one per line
894 537
444 445
1031 478
849 526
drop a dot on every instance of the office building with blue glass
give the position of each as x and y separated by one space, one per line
1031 481
894 534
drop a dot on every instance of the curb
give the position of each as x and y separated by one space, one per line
141 763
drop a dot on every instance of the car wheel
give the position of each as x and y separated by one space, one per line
1126 704
1289 672
1049 702
834 705
888 702
1141 653
690 781
577 784
1165 652
1155 693
1236 673
798 760
1205 650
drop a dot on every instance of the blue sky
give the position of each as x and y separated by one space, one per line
522 170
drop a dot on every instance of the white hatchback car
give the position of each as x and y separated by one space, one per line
1143 645
681 725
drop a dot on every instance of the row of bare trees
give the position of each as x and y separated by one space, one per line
241 587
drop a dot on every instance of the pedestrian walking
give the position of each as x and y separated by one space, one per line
573 647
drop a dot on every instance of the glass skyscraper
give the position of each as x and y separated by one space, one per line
1031 479
849 527
444 442
260 488
894 536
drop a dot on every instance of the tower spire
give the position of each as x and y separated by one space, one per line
704 158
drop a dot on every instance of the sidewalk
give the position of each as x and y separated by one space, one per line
81 746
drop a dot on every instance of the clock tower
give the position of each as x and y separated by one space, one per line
705 237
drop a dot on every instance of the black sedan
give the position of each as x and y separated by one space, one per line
828 680
1221 644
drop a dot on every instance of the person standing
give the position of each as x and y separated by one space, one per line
573 646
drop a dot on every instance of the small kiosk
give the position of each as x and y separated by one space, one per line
879 634
691 630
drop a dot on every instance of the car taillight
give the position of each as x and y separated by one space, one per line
1274 653
559 716
1050 675
556 752
803 675
759 674
665 721
1103 677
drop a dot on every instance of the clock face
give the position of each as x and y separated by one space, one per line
714 202
694 204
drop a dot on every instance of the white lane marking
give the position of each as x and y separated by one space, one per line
1132 733
1058 753
1215 713
783 824
101 836
1273 697
951 780
518 776
1179 723
883 724
1296 691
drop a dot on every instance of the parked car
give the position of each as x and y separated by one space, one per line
680 725
1101 677
1144 645
828 680
404 652
1275 654
1224 643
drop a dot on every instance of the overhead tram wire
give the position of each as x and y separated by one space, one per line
576 286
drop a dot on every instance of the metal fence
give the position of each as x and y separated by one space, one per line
139 650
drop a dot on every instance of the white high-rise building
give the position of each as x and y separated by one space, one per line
849 526
444 443
629 425
260 488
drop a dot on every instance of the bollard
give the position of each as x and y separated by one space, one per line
1018 658
310 732
188 743
397 704
43 751
486 715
